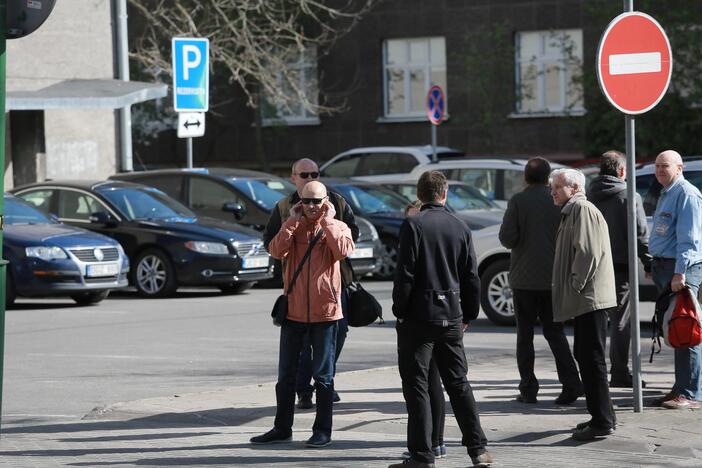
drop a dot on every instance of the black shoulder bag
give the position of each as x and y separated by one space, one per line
364 308
280 308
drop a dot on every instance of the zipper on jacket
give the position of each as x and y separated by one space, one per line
309 278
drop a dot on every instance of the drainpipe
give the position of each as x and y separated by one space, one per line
125 114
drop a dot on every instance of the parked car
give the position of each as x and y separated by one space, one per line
495 179
461 196
48 258
369 162
242 196
385 209
169 246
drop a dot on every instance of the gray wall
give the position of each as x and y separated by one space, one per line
75 42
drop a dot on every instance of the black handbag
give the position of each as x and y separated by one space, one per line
363 307
280 308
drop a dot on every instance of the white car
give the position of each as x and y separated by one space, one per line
496 179
367 163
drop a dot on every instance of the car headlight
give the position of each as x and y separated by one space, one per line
46 253
374 232
214 248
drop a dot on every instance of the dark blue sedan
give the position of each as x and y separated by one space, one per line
48 258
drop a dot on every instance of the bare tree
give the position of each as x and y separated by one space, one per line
253 40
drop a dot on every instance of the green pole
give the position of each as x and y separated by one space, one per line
3 35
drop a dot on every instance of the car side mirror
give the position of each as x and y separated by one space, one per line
102 217
238 210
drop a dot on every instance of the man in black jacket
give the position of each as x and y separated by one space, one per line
435 294
303 171
608 193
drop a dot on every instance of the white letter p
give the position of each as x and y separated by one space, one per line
191 59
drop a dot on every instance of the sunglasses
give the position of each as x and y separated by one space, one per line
308 175
314 201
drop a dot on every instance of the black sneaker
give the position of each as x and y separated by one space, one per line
335 397
568 397
318 440
591 433
274 436
410 463
304 401
626 383
439 452
524 398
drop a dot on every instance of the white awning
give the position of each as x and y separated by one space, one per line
75 94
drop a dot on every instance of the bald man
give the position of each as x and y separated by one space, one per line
314 308
677 262
303 171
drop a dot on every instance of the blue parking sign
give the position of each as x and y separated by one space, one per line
191 77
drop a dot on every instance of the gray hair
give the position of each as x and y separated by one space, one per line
571 177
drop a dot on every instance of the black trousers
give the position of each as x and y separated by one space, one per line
620 331
437 403
416 343
590 334
529 306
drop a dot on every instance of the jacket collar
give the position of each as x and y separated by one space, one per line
577 198
432 206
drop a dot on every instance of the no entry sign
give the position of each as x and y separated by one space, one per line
634 63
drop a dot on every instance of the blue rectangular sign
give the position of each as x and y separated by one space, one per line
191 74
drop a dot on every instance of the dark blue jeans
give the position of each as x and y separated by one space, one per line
304 370
323 338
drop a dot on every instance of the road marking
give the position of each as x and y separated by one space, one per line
629 64
127 357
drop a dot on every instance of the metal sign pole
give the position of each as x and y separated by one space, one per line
433 143
630 127
190 153
3 263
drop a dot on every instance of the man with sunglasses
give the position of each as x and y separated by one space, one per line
313 243
303 171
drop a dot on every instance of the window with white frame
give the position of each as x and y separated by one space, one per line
549 71
410 68
301 75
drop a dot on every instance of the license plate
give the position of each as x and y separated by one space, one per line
107 269
256 262
362 253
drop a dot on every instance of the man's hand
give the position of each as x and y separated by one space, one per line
296 211
678 282
329 210
465 327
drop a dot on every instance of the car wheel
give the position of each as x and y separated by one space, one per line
387 260
154 275
496 294
89 298
236 288
10 292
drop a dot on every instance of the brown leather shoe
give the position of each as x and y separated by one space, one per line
484 460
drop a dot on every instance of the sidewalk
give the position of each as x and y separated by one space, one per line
213 428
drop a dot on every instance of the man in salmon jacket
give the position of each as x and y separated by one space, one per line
314 306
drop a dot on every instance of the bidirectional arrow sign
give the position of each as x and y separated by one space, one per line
191 124
191 77
436 104
634 63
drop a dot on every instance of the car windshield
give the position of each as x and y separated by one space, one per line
370 200
264 192
146 203
463 197
19 212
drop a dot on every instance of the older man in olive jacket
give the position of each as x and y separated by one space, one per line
583 289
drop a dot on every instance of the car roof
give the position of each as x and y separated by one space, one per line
78 184
221 172
425 150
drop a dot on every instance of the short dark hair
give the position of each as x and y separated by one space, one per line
611 163
431 186
537 171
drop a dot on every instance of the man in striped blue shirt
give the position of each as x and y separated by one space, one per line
675 245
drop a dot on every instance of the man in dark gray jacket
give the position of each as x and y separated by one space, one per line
529 229
608 193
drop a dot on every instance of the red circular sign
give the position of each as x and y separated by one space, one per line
436 104
634 63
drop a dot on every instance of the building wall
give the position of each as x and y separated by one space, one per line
74 42
479 123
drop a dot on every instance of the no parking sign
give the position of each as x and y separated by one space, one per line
436 104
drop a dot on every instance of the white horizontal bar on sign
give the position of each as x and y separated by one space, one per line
629 64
